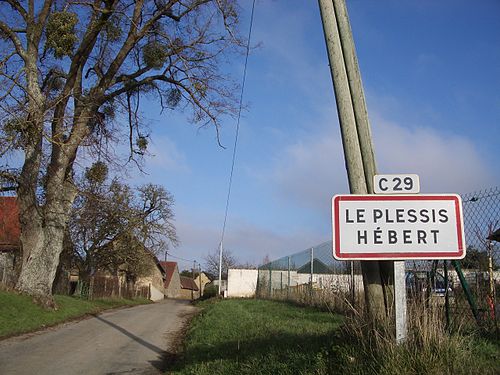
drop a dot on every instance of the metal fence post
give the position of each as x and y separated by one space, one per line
288 288
281 281
446 295
467 291
312 271
270 281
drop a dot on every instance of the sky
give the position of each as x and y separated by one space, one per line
431 74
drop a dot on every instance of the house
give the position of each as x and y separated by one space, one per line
10 243
172 283
201 280
189 289
155 281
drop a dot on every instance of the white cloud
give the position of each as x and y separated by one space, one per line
165 156
446 162
310 171
200 235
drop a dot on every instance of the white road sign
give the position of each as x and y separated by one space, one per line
396 227
396 184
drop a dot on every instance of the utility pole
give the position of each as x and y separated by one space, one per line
192 278
199 279
220 265
355 130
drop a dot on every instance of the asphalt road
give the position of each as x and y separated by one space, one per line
135 340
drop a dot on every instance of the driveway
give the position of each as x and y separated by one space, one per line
135 340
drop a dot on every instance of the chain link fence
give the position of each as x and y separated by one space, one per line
312 277
467 291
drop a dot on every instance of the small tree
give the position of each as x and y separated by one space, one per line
115 227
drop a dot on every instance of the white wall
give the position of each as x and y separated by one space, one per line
156 294
241 282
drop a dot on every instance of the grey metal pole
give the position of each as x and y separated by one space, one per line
312 272
400 301
192 276
199 279
270 281
288 288
446 295
312 262
220 266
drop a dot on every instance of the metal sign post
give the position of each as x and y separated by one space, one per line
398 184
400 301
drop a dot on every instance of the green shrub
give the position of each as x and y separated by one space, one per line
210 291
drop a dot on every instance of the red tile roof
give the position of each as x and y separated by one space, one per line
188 283
169 268
10 229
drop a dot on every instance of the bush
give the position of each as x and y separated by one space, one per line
210 291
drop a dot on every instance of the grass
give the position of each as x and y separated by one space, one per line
259 337
270 337
18 313
429 347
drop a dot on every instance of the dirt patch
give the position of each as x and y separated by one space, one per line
176 348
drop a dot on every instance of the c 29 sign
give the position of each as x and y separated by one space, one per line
397 227
396 184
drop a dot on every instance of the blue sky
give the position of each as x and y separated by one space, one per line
431 73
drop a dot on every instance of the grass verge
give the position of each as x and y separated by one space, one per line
258 337
429 348
269 337
18 313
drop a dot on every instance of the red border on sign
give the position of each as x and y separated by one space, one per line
398 255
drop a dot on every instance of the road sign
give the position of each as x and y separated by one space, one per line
378 227
396 184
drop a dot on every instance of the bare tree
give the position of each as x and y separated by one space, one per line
114 227
212 263
69 69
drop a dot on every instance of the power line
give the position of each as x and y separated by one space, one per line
235 143
179 258
238 124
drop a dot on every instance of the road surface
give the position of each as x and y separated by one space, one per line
135 340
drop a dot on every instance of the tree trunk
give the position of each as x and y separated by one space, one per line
39 270
43 229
